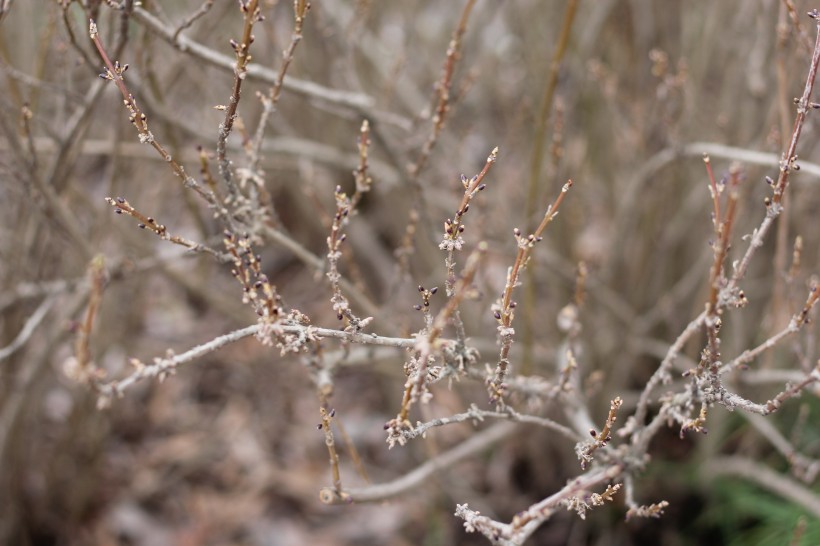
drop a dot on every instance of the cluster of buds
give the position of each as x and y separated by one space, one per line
247 268
527 241
454 227
121 206
425 297
118 71
425 304
582 503
251 7
253 15
584 450
343 207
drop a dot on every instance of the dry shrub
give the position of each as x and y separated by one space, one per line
312 257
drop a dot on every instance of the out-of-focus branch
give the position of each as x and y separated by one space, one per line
356 101
764 477
475 414
418 477
28 328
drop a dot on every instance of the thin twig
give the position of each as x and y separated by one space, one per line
428 343
114 72
787 165
300 9
356 101
191 19
336 494
527 521
504 309
475 414
121 206
252 14
453 230
28 328
794 326
163 366
441 111
476 444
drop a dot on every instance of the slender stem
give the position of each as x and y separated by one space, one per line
114 72
787 163
421 475
242 50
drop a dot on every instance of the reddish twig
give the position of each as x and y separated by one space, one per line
252 14
114 72
503 310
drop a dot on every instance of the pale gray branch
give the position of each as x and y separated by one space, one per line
411 480
28 328
766 478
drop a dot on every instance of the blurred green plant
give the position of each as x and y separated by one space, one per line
746 514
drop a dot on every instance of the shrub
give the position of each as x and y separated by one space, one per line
350 320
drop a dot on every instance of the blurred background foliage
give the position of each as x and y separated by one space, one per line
226 451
